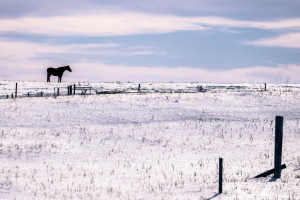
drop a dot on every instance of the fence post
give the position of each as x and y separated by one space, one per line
12 96
16 92
57 91
28 94
41 94
220 175
7 96
74 88
139 88
265 86
200 88
278 146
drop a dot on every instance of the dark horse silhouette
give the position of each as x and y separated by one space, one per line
57 72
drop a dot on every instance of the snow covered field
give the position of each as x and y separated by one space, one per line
148 146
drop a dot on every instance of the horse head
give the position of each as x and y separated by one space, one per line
68 68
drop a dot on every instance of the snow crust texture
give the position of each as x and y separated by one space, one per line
149 146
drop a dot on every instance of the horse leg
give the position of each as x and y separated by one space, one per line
48 78
59 78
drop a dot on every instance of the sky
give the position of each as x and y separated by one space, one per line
214 41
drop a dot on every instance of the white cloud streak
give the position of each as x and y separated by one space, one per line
257 74
113 24
14 50
291 40
31 49
225 22
99 25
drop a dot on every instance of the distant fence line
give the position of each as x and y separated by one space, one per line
87 90
58 91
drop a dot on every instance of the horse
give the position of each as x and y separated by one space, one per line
57 72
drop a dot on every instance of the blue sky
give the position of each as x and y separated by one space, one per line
230 41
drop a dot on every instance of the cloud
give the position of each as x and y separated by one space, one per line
17 50
291 40
129 23
258 74
23 48
109 24
246 9
226 22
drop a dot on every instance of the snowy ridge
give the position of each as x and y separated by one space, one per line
8 87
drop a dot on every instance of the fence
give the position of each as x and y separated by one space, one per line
15 90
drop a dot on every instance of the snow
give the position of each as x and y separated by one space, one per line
150 145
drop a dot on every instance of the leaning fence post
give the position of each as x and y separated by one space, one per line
16 92
220 175
278 146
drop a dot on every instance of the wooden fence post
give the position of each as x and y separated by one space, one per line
139 88
265 86
16 92
278 146
71 90
220 175
74 88
200 89
41 94
57 91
